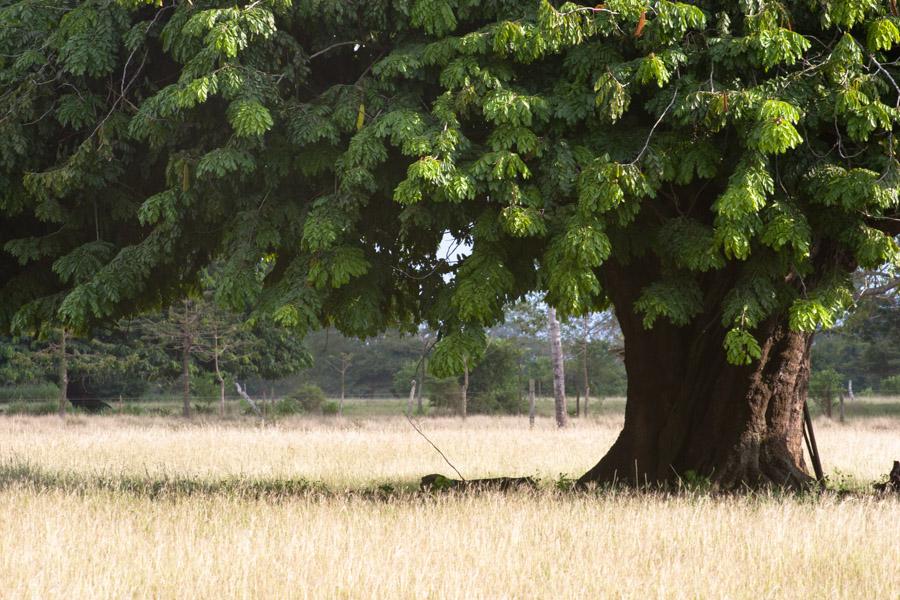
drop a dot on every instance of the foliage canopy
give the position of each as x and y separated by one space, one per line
323 149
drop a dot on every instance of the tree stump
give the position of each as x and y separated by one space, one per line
893 482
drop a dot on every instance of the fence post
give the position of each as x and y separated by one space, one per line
841 405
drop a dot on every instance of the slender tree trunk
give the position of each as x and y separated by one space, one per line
464 391
419 408
219 373
412 397
688 410
343 379
186 381
63 374
584 365
531 403
559 376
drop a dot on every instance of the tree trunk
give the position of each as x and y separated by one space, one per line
186 379
584 365
219 377
464 391
412 396
63 374
343 379
531 403
419 408
689 411
559 376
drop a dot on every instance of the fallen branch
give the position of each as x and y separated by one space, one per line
436 482
249 400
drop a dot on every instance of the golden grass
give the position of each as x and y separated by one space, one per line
92 543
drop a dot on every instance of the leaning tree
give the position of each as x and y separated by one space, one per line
715 171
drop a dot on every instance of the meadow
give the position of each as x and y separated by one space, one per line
139 506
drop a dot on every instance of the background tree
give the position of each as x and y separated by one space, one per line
559 375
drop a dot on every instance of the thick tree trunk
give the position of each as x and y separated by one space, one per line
689 411
63 374
559 376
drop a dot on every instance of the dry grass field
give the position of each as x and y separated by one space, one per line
142 507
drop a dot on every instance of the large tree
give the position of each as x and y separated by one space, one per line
714 170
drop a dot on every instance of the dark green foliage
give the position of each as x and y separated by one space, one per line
307 398
890 385
30 408
322 150
864 348
496 385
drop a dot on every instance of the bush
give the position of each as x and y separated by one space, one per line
309 397
29 391
891 385
824 386
444 393
330 408
31 408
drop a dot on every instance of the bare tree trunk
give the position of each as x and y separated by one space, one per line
419 408
577 403
218 372
531 402
584 365
187 343
343 379
463 397
243 394
841 406
559 377
63 374
412 397
186 382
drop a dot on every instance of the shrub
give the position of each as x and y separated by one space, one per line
444 393
824 385
309 396
29 391
891 385
31 408
330 408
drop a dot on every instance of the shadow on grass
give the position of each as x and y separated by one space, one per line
20 474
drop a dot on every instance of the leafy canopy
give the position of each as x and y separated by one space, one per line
323 149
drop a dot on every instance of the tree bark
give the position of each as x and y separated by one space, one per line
187 344
584 364
689 411
419 408
559 376
464 391
63 374
531 403
219 376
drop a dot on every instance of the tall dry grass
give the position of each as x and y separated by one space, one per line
59 539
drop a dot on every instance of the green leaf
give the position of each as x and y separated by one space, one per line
249 118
